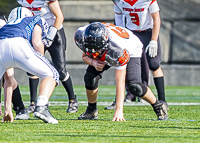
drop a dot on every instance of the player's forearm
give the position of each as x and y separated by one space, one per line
120 88
56 10
87 59
156 26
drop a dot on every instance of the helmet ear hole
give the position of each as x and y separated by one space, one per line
19 12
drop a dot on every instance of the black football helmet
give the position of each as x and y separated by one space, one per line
95 40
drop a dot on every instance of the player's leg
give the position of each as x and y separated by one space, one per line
137 88
91 80
0 98
57 52
158 75
33 84
42 68
18 105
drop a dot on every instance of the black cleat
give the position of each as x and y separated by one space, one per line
73 106
130 98
111 107
161 111
43 113
89 114
22 114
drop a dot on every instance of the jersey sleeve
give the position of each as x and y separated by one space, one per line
44 25
117 9
154 7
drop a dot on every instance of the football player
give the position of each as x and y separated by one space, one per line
143 19
2 23
50 10
106 45
21 46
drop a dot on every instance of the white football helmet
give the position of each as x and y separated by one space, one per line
2 23
19 12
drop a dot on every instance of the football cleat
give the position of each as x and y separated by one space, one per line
111 107
161 111
165 103
43 113
89 114
130 98
73 106
31 108
22 115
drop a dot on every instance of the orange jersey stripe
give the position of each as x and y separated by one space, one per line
153 1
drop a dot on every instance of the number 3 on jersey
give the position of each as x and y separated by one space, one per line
118 30
135 18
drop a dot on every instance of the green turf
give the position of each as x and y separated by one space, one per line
141 125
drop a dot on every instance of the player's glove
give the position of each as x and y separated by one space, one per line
153 48
48 40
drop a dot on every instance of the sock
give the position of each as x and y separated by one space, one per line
159 83
42 100
93 105
33 84
153 105
69 88
17 99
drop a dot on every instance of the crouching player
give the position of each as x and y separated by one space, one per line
21 46
106 45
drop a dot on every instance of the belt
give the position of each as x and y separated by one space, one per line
142 30
34 8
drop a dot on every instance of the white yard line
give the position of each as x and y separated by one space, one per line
62 103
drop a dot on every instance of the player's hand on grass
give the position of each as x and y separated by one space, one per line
118 115
8 117
152 48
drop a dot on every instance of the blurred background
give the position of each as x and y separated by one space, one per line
179 36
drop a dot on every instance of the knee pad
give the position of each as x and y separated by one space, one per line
64 78
91 80
63 75
154 65
138 89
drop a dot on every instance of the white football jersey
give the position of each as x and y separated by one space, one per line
125 39
40 7
119 38
137 13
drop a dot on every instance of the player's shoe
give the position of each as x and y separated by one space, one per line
22 114
130 98
43 113
89 114
31 108
111 107
73 106
165 103
161 111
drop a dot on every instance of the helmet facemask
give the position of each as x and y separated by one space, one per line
95 40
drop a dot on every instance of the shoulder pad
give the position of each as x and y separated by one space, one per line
114 52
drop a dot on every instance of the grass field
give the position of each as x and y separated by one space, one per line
141 125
